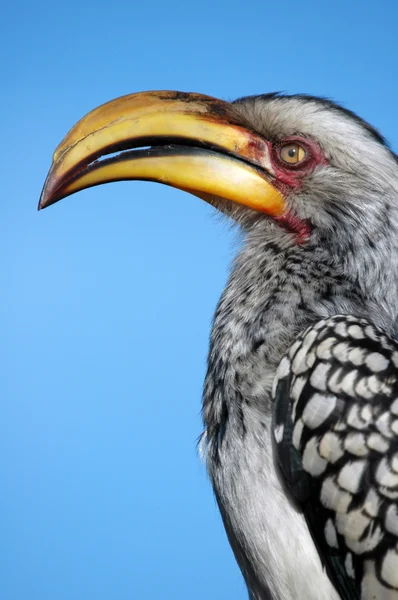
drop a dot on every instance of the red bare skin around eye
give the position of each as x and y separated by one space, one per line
289 178
292 174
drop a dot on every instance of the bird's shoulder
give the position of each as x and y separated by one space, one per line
336 434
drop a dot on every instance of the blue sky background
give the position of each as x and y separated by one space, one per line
107 297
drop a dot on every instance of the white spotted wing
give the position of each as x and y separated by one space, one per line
336 434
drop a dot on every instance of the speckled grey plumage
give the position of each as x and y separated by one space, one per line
276 289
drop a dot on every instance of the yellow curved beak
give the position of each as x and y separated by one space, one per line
188 141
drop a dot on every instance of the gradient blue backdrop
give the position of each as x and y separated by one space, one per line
107 297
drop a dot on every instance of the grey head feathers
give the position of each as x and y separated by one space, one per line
351 202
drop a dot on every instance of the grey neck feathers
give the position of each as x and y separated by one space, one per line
275 290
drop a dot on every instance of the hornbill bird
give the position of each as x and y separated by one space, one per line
300 400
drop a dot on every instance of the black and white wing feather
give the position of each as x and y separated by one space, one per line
336 433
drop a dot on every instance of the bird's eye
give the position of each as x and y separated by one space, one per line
292 153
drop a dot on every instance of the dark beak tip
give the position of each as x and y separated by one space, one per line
43 201
41 204
46 200
47 196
